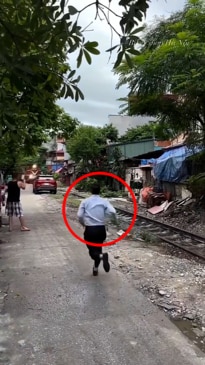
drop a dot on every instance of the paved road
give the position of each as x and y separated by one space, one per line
56 313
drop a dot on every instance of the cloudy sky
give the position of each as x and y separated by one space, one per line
97 80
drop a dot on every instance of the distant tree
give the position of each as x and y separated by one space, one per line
151 130
63 124
84 145
88 147
88 142
110 132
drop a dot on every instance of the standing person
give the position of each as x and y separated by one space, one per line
91 214
13 204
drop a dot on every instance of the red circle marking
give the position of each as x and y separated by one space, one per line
135 208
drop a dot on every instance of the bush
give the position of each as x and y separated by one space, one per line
196 184
111 194
86 184
56 176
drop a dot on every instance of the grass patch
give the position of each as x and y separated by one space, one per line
73 202
148 237
56 196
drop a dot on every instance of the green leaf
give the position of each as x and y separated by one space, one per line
88 45
128 59
87 56
71 74
62 5
112 48
72 10
119 59
133 51
63 90
69 92
81 94
137 30
79 58
94 51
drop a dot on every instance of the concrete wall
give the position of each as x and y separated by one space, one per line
178 191
124 122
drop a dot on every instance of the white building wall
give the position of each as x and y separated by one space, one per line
124 122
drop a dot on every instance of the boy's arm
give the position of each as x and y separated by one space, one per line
111 211
80 214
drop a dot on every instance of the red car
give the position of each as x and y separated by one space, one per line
44 184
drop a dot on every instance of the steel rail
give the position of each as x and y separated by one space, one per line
196 247
190 247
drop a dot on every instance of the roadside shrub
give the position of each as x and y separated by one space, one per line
196 184
86 184
111 194
56 176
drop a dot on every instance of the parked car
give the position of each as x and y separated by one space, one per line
44 183
2 194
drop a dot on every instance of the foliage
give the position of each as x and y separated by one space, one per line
196 163
132 14
56 176
167 78
41 157
196 185
64 124
109 132
11 154
151 130
106 191
86 184
84 145
117 166
36 37
88 146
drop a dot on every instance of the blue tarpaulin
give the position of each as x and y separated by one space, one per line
171 166
147 162
57 166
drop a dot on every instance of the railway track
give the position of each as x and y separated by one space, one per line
184 240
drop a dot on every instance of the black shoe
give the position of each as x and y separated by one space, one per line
95 271
106 264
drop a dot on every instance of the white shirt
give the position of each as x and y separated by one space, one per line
93 211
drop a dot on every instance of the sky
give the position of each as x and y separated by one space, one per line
98 83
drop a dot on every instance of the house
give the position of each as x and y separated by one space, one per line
172 170
67 172
56 153
124 122
139 156
130 149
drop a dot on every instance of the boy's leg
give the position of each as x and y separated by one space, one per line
97 235
95 253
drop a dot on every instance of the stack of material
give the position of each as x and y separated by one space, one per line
168 207
161 208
